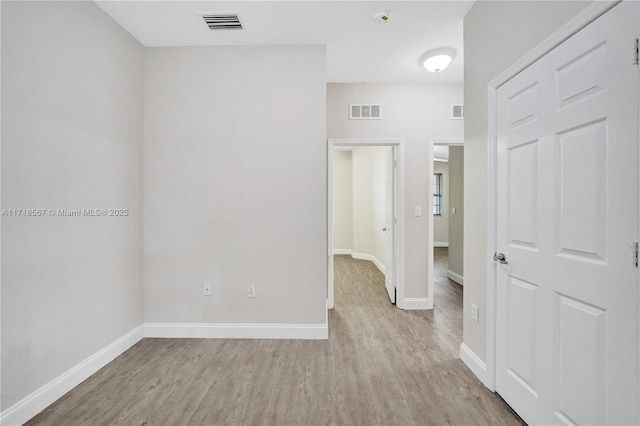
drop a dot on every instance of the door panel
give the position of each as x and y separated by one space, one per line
581 354
582 191
523 194
523 106
582 76
522 337
567 210
389 280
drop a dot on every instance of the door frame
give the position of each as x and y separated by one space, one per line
432 143
487 372
398 243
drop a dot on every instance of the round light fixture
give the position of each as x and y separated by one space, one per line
438 59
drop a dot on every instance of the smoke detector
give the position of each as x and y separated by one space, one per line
381 17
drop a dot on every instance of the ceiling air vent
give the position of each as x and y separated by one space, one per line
222 21
364 112
457 112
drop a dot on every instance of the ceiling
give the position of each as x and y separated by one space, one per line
440 153
358 50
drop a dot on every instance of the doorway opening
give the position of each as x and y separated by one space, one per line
446 206
378 237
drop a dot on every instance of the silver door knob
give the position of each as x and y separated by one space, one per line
499 257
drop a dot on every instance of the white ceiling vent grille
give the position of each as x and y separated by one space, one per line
222 21
457 112
365 112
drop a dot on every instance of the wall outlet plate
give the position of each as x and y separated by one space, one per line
251 290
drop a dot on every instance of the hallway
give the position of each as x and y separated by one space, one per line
408 357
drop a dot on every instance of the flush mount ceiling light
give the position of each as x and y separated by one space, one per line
438 59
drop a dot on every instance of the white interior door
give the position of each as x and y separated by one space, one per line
389 226
567 214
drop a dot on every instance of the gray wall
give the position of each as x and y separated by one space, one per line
415 112
496 34
235 184
71 139
441 223
456 199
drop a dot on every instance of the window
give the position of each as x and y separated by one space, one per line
437 194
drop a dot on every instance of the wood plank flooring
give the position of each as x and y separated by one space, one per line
380 366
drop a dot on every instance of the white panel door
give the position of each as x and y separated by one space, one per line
389 226
567 210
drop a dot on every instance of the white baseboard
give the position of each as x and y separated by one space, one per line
415 303
237 331
455 277
28 407
475 364
441 244
342 251
370 258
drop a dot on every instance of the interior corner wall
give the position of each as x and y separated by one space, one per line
235 172
496 35
342 201
456 199
72 112
369 201
415 113
441 223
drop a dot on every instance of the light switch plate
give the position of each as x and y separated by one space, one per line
475 314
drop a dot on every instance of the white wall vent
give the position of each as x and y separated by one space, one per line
365 112
457 112
222 21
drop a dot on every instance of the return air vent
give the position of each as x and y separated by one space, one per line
222 21
457 112
364 112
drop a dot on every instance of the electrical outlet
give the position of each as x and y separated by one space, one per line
251 291
206 289
475 313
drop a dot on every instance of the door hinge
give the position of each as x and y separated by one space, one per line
634 254
636 54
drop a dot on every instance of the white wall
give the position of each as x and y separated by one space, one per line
342 201
72 139
456 199
441 223
496 34
362 201
415 112
235 184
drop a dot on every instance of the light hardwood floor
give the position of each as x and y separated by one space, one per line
380 366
